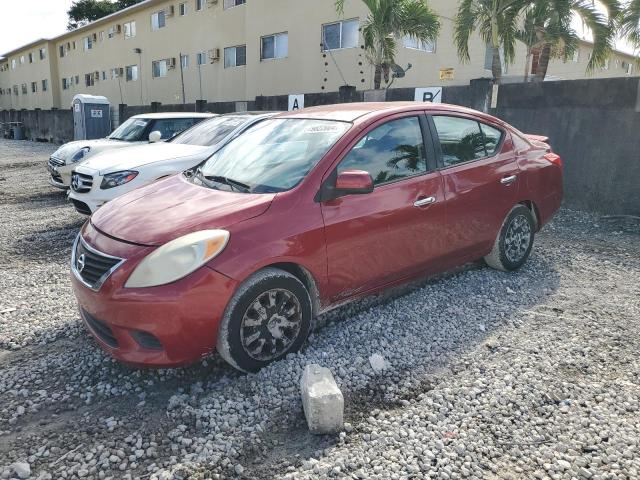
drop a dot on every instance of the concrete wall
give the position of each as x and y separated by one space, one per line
54 126
595 126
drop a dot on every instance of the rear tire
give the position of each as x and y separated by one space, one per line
514 242
267 318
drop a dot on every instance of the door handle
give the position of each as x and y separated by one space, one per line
509 180
424 202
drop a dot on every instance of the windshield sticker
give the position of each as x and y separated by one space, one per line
321 129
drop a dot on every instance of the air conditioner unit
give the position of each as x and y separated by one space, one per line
118 28
171 11
214 55
171 62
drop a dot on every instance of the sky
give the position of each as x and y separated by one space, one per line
23 21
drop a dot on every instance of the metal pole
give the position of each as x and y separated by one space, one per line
200 77
140 78
184 97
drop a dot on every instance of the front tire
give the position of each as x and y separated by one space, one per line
514 242
267 318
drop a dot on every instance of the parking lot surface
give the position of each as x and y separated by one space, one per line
490 375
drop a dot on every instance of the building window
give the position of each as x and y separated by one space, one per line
415 44
114 73
182 9
576 56
88 43
233 3
340 35
13 63
34 87
158 20
89 80
201 58
104 75
101 36
111 32
132 73
43 53
606 64
184 61
235 56
30 57
130 29
73 44
159 69
77 78
199 5
21 59
24 88
15 90
274 46
45 85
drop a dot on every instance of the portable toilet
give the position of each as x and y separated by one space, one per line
91 117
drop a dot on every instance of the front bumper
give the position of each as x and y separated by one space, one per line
166 326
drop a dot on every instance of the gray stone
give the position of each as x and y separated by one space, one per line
322 400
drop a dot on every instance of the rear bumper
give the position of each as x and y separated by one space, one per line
166 326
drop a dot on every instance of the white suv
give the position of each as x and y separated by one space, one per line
111 174
147 128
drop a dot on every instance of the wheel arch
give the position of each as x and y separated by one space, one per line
305 276
533 208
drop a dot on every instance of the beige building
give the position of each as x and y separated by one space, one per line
173 51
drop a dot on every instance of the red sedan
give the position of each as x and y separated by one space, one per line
301 213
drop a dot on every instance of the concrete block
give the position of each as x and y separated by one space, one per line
322 400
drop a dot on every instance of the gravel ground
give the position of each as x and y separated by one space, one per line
490 375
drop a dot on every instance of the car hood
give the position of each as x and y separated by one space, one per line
137 156
68 149
171 208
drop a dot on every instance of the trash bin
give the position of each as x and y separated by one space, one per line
17 129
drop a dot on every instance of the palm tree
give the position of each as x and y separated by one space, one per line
540 28
630 22
388 21
548 30
497 23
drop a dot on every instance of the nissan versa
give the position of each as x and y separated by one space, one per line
303 212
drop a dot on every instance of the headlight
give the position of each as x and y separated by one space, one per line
79 155
116 179
178 258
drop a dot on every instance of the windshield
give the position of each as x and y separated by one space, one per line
211 132
274 156
131 130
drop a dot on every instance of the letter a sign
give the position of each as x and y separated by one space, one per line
296 102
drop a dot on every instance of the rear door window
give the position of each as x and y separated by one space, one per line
492 138
390 152
461 140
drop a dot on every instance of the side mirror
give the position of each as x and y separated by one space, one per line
350 182
155 136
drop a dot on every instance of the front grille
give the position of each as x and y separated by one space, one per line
56 162
81 207
101 329
81 183
147 340
90 266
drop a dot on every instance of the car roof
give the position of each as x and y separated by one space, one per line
164 115
351 112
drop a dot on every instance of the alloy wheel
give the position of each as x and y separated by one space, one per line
517 239
271 324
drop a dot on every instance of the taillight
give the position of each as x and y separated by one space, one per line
553 158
